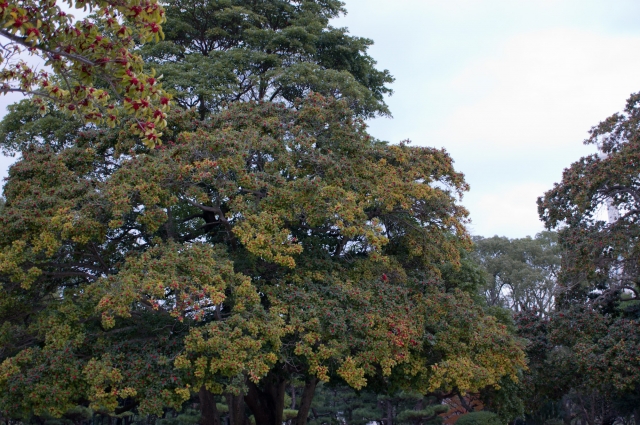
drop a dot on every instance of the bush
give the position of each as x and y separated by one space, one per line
479 418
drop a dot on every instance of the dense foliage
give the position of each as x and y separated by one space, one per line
264 260
91 69
585 356
521 273
217 52
264 244
268 243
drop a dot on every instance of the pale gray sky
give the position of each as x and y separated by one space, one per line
509 87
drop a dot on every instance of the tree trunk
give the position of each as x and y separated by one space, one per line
202 108
464 404
305 401
609 419
208 408
236 409
293 398
420 406
389 413
267 403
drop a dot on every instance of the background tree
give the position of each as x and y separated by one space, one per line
217 52
521 273
479 418
336 404
579 367
601 256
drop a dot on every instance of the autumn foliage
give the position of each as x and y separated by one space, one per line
263 244
86 67
255 245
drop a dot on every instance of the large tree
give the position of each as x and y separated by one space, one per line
263 243
595 331
601 256
266 244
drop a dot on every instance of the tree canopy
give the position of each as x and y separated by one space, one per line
584 357
268 242
603 255
521 273
217 52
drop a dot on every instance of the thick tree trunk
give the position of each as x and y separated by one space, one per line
202 108
267 403
609 419
305 401
236 409
208 408
420 405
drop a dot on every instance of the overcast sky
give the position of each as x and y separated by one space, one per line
509 87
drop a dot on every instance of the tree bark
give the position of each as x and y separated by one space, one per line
464 404
236 409
420 406
293 398
208 408
609 419
389 413
305 400
267 403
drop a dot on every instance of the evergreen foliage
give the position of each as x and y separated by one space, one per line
216 52
479 418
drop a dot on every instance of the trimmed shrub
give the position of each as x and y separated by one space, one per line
479 418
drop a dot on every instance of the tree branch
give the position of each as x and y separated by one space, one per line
23 42
613 190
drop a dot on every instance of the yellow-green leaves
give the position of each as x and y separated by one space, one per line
104 388
264 237
41 382
475 350
180 280
352 374
246 344
11 262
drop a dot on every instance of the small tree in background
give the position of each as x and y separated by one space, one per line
521 273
